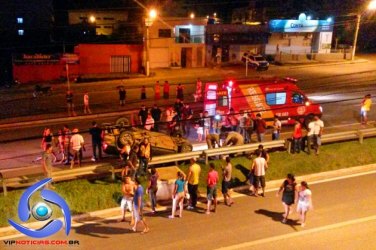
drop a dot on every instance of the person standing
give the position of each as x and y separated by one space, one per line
153 188
289 192
138 206
242 129
122 96
143 115
207 124
96 140
70 104
264 153
193 178
180 92
47 159
198 95
77 145
226 182
200 127
211 188
187 115
260 127
365 108
86 104
143 92
259 167
127 201
277 126
178 195
157 91
145 155
304 202
67 138
317 133
166 90
156 113
297 137
149 123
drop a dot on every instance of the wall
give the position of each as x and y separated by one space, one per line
293 43
41 73
95 58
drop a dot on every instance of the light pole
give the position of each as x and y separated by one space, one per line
371 6
148 22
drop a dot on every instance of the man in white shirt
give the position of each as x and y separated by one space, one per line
77 144
259 167
315 129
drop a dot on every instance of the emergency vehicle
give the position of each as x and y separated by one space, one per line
273 97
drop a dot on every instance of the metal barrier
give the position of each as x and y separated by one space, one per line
174 157
243 148
26 176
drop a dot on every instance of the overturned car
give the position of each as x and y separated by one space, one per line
115 137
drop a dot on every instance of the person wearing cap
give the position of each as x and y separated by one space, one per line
365 108
193 178
77 144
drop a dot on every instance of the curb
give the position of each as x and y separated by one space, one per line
325 63
10 232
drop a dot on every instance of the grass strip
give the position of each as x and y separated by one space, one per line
90 195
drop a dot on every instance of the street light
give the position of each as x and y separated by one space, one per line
371 6
152 15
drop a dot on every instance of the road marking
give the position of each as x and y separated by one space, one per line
249 244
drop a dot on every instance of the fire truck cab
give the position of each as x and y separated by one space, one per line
270 98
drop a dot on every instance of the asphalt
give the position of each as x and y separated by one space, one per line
174 76
113 213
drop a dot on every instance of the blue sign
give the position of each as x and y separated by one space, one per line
41 211
301 25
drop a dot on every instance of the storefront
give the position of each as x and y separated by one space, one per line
302 36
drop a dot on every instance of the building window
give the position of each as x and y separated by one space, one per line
19 20
21 32
108 18
184 35
164 33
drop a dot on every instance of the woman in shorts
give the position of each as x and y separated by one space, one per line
178 195
304 202
289 191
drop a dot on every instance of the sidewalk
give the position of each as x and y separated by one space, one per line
271 186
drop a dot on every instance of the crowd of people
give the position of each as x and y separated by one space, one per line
185 190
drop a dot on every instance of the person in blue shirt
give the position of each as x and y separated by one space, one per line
138 206
178 195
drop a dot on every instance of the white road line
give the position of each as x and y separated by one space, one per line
249 244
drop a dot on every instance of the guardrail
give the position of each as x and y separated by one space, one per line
242 148
174 157
26 176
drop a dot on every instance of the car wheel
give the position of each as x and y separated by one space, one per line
186 147
125 137
123 122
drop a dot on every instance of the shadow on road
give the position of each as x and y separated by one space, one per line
102 229
278 216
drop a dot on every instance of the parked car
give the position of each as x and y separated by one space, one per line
256 61
115 137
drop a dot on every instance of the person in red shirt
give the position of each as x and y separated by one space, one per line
297 137
212 181
260 127
166 90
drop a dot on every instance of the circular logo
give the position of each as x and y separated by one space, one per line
41 211
301 110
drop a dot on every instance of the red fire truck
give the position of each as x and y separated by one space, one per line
273 97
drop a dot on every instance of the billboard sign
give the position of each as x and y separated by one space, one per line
303 24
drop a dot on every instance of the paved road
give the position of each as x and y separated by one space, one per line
343 218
